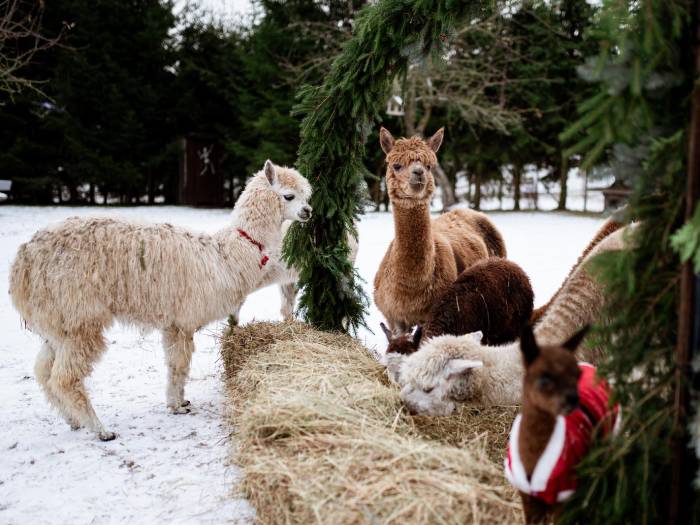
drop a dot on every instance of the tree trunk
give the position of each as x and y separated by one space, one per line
443 181
477 187
500 193
563 175
517 179
536 191
92 193
683 460
151 189
409 106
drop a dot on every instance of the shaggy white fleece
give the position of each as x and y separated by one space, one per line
72 281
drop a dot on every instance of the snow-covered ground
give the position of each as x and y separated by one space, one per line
165 468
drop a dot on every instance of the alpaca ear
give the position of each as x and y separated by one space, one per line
435 141
387 332
575 340
459 367
270 172
476 336
386 140
417 335
528 345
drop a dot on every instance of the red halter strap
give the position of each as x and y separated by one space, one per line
255 243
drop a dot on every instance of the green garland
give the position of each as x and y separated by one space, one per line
646 78
338 117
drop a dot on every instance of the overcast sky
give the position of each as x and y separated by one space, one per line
228 9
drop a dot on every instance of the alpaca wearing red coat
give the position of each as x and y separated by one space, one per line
563 403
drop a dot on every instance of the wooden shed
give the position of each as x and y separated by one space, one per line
201 181
615 196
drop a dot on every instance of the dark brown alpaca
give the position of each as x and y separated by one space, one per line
493 296
611 225
563 402
425 256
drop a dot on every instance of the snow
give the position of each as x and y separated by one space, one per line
164 467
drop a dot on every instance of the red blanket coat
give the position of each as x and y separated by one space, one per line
553 478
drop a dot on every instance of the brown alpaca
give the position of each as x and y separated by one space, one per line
613 224
493 296
425 256
563 403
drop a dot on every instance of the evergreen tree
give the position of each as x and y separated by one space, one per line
339 116
106 101
644 76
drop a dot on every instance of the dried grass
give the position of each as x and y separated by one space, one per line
322 437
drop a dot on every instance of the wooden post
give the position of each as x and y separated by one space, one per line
683 460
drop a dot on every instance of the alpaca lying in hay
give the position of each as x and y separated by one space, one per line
277 271
494 296
448 370
563 403
321 438
426 256
72 281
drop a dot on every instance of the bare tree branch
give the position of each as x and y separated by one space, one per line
20 41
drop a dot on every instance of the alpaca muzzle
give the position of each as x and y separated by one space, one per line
305 214
417 180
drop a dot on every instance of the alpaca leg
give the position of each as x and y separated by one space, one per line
74 360
535 510
42 372
288 292
178 346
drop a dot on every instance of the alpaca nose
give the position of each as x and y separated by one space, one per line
418 176
305 213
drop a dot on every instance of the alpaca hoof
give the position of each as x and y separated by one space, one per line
106 435
180 410
74 425
185 403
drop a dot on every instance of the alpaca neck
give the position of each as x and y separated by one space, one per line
578 304
536 427
413 239
262 223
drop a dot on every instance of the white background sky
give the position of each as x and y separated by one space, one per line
229 10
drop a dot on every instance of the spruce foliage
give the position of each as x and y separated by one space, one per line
338 116
645 76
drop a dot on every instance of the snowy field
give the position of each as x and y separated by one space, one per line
166 468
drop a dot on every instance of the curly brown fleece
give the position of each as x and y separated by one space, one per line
494 296
425 256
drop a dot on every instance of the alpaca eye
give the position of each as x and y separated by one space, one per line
396 167
428 390
544 382
289 197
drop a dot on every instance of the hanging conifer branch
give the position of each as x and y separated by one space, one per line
338 116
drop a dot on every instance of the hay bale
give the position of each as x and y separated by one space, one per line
322 437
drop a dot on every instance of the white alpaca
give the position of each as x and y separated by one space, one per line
450 369
278 272
72 281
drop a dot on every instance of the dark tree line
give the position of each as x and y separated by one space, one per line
130 78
